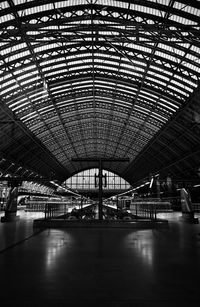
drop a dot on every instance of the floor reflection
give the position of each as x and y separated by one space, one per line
141 244
57 244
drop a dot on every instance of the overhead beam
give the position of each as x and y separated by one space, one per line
102 159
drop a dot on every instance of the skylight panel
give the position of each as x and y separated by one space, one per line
195 49
167 56
60 89
133 75
5 18
16 2
139 8
149 10
186 81
75 2
175 89
54 67
22 69
46 109
144 110
19 46
154 96
77 62
5 84
52 73
108 82
18 102
113 3
82 86
67 3
174 106
4 77
21 106
13 48
178 84
18 55
141 48
27 75
181 20
75 68
195 68
159 117
161 76
154 11
82 56
171 49
37 9
105 61
36 126
9 89
147 97
195 59
3 5
76 84
132 66
186 8
3 44
167 72
48 62
155 80
163 2
38 93
124 104
42 97
165 106
45 47
129 90
30 80
105 55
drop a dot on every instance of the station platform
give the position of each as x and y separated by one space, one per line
104 267
95 223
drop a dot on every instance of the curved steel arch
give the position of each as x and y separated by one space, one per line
101 78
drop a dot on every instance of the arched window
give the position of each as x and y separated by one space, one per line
89 179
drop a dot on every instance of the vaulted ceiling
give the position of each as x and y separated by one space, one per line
83 79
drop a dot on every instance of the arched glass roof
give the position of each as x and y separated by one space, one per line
97 78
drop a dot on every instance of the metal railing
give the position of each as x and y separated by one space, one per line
55 210
35 206
196 207
144 210
50 208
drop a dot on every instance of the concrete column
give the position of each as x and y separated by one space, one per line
11 206
158 186
100 191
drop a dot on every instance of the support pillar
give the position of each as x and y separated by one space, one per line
187 210
11 206
117 202
81 207
100 191
158 187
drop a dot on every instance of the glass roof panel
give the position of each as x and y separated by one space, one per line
5 18
3 5
114 71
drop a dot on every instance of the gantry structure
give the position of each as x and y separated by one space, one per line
100 79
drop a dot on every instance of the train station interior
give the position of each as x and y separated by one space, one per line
99 153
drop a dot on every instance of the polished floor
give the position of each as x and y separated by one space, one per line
99 267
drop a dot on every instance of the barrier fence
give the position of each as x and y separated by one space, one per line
140 209
144 210
196 207
54 210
